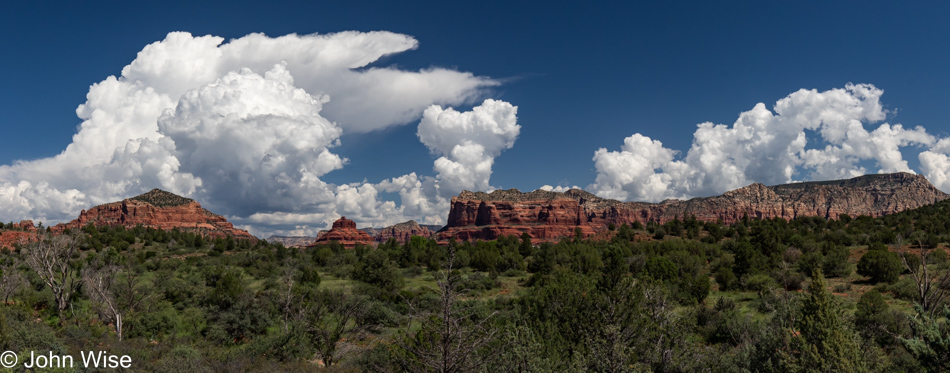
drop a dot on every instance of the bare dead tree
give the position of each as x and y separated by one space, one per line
289 305
10 281
659 306
116 290
52 257
333 319
101 286
448 340
933 287
620 309
131 293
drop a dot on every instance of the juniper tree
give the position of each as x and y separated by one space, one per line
931 340
824 343
880 266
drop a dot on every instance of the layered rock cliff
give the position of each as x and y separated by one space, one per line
551 215
158 209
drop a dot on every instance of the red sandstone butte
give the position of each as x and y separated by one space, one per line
344 231
161 210
552 215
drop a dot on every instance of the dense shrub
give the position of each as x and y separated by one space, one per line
835 262
661 268
726 279
880 266
376 269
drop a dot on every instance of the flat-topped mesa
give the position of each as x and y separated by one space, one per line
161 210
547 215
344 231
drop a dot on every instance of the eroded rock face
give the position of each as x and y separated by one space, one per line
9 238
158 209
26 225
22 233
551 215
344 231
402 232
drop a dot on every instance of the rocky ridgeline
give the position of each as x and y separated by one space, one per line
402 232
158 209
550 215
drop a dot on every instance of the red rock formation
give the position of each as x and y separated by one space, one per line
551 215
26 225
158 209
402 232
344 231
23 232
9 238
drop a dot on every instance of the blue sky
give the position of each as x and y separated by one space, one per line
583 77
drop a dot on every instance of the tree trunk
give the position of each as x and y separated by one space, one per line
118 325
61 305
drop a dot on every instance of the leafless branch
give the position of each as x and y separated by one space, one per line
448 339
333 319
52 259
11 281
101 287
932 288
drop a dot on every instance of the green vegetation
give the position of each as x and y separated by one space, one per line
847 295
880 265
161 198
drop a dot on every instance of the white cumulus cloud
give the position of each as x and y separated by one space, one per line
559 188
248 128
764 146
256 142
468 142
935 164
